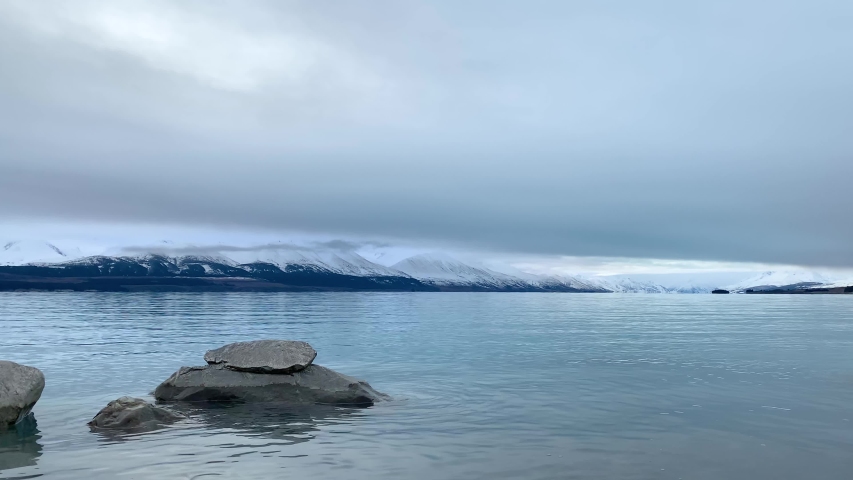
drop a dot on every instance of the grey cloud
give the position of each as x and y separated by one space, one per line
666 129
349 245
169 248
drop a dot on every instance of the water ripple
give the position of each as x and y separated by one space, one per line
485 386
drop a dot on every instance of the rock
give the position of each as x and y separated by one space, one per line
133 413
313 385
20 389
263 356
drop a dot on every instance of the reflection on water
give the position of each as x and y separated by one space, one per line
283 424
19 446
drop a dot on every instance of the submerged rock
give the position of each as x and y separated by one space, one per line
313 385
20 389
128 413
263 356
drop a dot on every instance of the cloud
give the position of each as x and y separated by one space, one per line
183 248
668 131
225 53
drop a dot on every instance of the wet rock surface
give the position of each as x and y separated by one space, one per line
128 413
313 385
263 356
20 389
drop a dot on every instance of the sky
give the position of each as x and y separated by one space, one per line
609 135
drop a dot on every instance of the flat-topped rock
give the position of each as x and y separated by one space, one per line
263 356
313 385
20 389
128 413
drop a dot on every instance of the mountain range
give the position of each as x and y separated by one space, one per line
28 265
44 266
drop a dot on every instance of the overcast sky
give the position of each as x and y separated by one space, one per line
694 131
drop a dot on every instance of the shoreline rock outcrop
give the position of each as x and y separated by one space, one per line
128 413
220 381
20 389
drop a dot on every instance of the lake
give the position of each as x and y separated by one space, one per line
484 385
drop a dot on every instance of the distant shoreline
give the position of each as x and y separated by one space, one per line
805 291
351 273
337 283
298 283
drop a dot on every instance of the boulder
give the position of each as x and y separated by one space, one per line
263 356
20 389
313 385
128 413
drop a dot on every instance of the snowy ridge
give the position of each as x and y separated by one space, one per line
628 285
154 264
738 282
847 282
28 252
668 283
435 270
782 279
556 282
445 271
551 282
343 263
287 258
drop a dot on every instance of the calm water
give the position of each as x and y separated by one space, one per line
485 386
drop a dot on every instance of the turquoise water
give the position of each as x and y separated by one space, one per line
485 385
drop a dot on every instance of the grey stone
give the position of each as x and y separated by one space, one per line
263 356
313 385
20 389
128 413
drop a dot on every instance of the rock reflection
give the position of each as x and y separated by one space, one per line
281 424
284 424
19 446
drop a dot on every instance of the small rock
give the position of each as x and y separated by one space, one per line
20 389
313 385
263 356
132 413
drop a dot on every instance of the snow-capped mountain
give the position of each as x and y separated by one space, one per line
629 285
286 266
444 270
150 265
549 282
297 267
340 262
702 282
782 279
20 252
562 282
845 282
206 272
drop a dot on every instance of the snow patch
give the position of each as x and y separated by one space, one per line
779 279
26 252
